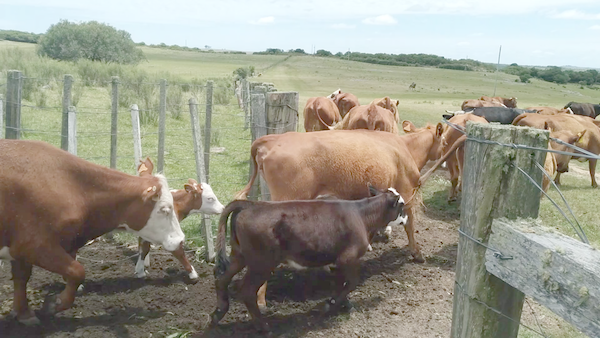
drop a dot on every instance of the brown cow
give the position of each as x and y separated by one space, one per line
582 126
52 203
389 104
193 199
558 163
344 101
371 117
320 113
302 166
472 104
302 233
506 102
545 110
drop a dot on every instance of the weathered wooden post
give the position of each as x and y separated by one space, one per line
258 128
206 227
137 139
493 187
1 117
245 97
207 127
72 131
114 119
14 87
282 111
162 120
66 104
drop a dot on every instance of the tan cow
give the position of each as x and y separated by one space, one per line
588 132
506 102
472 104
303 166
52 203
371 117
545 110
344 101
320 113
389 104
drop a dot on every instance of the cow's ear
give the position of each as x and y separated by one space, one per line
192 186
146 167
408 126
547 126
151 193
439 129
397 102
579 136
373 191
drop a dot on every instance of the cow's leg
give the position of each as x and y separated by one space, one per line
236 265
454 176
60 262
252 281
460 158
21 271
182 258
261 297
143 258
592 166
410 232
557 179
347 279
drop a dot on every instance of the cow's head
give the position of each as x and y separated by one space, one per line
436 131
335 93
156 220
562 160
394 205
205 200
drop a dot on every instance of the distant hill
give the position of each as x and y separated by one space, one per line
19 36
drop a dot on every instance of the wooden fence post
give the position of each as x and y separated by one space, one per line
493 187
245 97
282 111
258 128
206 227
1 117
207 127
14 87
114 122
137 139
66 104
72 131
162 119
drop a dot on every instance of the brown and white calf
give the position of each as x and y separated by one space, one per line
52 203
193 199
310 233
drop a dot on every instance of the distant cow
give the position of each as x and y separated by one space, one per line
389 104
302 233
499 114
320 113
545 110
472 104
586 109
371 117
344 101
507 102
412 86
52 203
193 199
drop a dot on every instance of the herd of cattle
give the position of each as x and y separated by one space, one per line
350 176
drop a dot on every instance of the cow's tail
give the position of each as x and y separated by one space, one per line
515 122
222 260
459 143
330 127
243 194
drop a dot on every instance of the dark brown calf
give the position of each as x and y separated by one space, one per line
307 233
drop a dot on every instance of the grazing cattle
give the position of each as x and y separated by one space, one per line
302 233
588 133
389 104
586 109
506 102
544 110
320 113
52 203
499 114
193 199
371 117
412 86
302 166
472 104
344 101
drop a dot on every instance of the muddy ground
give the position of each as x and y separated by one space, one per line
395 298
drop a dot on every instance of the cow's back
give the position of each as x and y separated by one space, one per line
319 113
337 162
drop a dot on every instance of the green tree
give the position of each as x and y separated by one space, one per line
69 41
322 52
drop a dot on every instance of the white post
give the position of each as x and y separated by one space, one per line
1 118
137 139
72 131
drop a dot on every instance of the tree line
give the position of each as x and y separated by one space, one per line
554 74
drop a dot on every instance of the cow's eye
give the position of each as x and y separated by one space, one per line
210 199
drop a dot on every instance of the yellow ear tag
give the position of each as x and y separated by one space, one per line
148 190
142 168
154 188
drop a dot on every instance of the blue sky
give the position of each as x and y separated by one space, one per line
531 32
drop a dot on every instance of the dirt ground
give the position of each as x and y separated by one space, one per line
395 298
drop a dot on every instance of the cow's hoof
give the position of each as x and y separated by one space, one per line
30 321
418 258
141 274
369 248
50 304
262 307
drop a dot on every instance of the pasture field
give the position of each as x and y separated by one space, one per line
424 296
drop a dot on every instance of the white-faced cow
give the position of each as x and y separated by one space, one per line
194 198
305 233
52 203
344 101
303 166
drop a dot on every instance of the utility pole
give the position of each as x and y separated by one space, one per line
497 68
